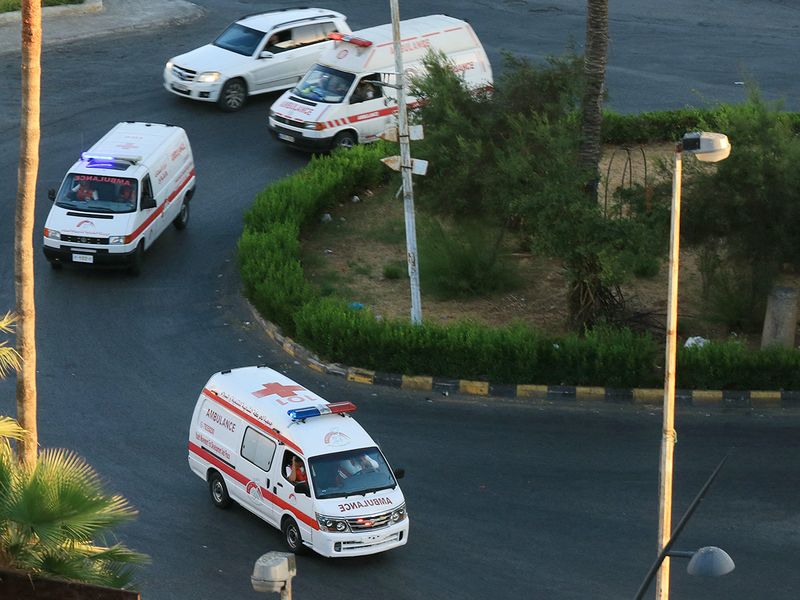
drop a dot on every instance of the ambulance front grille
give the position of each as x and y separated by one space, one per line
369 523
80 239
183 74
290 122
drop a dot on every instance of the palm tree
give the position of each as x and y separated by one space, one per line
23 240
594 71
51 515
9 359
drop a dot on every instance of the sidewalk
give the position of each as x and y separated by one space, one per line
95 18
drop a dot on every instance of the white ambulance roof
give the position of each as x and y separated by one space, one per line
269 20
417 36
132 140
382 34
267 396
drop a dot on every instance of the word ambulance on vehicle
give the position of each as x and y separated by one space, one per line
300 463
341 102
120 196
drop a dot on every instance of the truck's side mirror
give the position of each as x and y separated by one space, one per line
148 201
399 473
302 488
51 194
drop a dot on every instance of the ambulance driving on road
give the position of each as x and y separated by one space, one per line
347 98
300 463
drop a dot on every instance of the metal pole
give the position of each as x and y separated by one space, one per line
405 170
668 438
667 550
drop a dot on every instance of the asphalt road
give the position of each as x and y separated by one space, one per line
506 500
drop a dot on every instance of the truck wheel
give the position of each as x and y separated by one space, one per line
292 537
182 220
136 260
218 490
233 95
346 140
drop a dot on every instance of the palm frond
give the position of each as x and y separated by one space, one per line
9 357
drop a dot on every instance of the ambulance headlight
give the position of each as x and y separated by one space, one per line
314 125
52 234
332 524
115 240
208 77
399 514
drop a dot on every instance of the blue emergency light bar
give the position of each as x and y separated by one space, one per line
301 414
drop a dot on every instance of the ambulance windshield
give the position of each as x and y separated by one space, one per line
323 84
98 193
350 473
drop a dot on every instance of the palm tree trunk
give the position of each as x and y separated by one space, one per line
23 240
594 69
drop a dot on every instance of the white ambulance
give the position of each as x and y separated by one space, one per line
300 463
339 101
120 196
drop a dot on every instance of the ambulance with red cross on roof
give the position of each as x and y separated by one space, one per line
299 462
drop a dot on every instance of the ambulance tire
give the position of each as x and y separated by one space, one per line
345 139
292 537
232 95
137 259
218 490
182 220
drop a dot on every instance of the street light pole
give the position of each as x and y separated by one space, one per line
405 170
707 147
668 435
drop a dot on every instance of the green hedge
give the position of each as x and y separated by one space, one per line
668 125
269 261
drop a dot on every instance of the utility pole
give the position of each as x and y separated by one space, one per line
405 170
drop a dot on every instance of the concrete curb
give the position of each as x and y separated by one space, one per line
89 6
727 399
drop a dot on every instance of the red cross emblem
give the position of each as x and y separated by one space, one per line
284 391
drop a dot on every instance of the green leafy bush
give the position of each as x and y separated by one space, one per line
462 260
731 365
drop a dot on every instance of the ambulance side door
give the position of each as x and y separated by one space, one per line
258 453
149 216
372 111
299 505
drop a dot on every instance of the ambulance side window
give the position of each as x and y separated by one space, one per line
258 449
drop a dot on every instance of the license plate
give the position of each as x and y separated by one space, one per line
285 138
84 258
179 88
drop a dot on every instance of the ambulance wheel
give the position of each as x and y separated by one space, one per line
346 140
291 536
137 259
219 492
182 220
233 95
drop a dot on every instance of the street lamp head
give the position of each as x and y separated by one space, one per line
710 561
273 572
707 146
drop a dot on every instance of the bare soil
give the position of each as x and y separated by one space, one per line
345 254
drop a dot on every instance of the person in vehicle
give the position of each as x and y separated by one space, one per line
365 90
296 471
126 194
84 191
353 466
